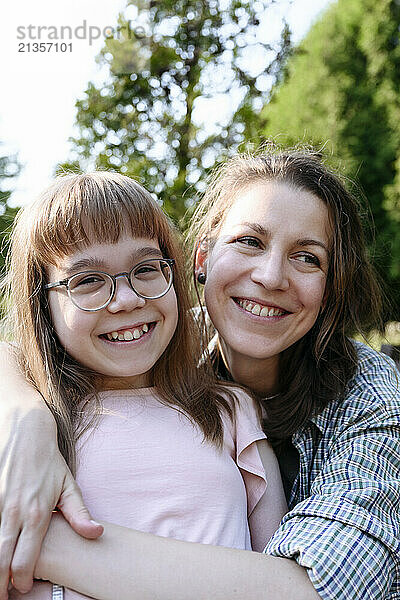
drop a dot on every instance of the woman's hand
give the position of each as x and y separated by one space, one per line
34 479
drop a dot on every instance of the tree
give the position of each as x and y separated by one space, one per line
141 121
342 90
9 168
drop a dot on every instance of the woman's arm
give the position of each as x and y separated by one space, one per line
129 565
266 516
33 477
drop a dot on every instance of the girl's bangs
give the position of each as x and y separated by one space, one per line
78 211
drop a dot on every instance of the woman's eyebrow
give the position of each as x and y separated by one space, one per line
300 242
257 228
311 242
93 263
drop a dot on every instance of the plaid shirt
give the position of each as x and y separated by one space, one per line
343 523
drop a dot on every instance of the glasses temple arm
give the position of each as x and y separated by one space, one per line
49 286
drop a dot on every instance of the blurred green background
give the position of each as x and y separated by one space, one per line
338 90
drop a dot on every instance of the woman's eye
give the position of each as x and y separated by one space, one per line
252 242
308 259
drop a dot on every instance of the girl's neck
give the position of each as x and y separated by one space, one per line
259 375
123 383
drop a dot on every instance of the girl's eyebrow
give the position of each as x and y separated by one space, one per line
147 252
94 263
83 264
300 242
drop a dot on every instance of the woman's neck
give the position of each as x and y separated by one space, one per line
259 375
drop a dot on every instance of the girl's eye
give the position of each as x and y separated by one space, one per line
147 272
88 280
309 259
146 269
247 240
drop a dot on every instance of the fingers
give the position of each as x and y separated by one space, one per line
22 532
7 543
10 537
75 512
28 548
9 533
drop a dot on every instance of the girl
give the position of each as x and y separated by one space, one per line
102 319
281 255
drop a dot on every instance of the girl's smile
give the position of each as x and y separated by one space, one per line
126 338
128 333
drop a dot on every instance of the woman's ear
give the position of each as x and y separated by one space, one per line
200 261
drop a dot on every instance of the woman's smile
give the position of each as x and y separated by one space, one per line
259 308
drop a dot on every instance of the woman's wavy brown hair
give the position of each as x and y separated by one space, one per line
76 211
317 368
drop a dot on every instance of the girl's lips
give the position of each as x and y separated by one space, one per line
129 334
122 328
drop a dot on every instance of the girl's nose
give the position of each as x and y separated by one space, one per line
125 298
270 271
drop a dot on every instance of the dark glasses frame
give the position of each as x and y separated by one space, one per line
113 278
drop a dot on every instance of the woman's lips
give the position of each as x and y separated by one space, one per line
260 310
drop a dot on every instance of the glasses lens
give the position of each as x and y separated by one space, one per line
152 278
90 291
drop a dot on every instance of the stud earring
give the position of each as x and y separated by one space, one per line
201 278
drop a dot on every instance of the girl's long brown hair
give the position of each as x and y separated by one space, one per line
76 211
317 368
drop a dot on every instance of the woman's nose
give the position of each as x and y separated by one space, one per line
125 298
270 271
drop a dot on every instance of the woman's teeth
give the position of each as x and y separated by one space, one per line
262 311
127 335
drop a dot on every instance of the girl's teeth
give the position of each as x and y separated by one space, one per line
256 309
127 336
264 312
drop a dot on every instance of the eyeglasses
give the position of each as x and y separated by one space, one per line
94 290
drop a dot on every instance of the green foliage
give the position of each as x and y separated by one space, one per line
342 91
9 168
140 122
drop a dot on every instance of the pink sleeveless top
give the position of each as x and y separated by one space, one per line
144 465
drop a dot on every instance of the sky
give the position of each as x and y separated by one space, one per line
39 90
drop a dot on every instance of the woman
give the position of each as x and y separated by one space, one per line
282 259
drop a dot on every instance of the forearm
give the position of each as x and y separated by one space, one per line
23 413
131 565
33 477
15 391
